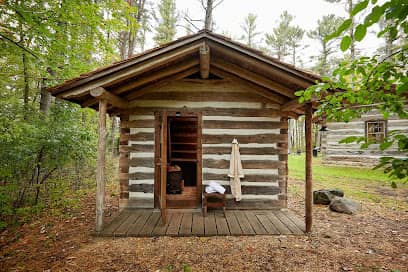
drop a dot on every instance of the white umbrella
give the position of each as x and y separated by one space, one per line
235 172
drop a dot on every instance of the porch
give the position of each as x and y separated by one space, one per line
147 223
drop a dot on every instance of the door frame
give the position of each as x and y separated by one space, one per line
157 125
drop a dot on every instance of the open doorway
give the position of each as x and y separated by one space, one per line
183 144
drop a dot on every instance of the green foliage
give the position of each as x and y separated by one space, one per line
285 38
44 158
249 28
166 29
358 86
325 26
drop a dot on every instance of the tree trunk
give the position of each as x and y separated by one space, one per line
208 16
26 91
45 99
353 42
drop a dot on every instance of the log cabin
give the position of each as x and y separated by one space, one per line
182 104
373 127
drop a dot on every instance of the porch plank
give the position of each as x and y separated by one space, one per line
210 227
278 224
137 226
147 223
221 222
161 228
256 225
244 223
150 224
285 220
124 227
198 224
116 222
295 219
186 222
233 224
270 228
174 225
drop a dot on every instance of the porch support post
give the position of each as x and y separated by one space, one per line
308 189
100 167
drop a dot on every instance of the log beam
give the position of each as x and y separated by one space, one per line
162 82
102 94
308 168
255 78
100 170
156 76
204 61
291 105
251 86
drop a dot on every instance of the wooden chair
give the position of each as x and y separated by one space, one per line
213 200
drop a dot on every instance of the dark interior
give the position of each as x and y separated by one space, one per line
182 146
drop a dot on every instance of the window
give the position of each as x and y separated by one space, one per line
376 131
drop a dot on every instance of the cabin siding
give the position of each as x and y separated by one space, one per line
335 153
228 111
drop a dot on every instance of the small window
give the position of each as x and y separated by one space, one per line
376 131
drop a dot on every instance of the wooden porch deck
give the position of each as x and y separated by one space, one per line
147 223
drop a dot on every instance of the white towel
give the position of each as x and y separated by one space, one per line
214 187
235 172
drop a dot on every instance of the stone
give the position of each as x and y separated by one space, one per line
325 196
344 205
336 192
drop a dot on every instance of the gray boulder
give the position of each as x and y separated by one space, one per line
344 205
325 196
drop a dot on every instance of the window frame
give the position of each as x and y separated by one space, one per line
366 133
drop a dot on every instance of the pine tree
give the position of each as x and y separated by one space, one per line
166 28
325 26
249 28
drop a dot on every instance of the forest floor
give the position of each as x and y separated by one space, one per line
376 239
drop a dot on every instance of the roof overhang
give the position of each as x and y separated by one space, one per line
204 53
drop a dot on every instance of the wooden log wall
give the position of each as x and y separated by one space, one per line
335 153
228 111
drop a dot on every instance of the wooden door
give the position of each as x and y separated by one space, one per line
161 164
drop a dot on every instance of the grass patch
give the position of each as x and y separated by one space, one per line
357 183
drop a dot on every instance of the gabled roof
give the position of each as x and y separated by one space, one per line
204 52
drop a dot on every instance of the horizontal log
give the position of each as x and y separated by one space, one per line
255 204
245 139
143 136
141 162
251 190
213 124
136 148
209 111
252 164
219 96
135 176
245 150
137 124
249 178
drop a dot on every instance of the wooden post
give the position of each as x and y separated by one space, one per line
100 167
204 61
308 189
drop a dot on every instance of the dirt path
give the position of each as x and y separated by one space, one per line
374 240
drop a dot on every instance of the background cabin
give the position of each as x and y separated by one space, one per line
373 127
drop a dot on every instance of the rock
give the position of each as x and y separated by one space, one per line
325 196
344 205
336 192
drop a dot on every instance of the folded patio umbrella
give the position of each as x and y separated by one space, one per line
235 171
